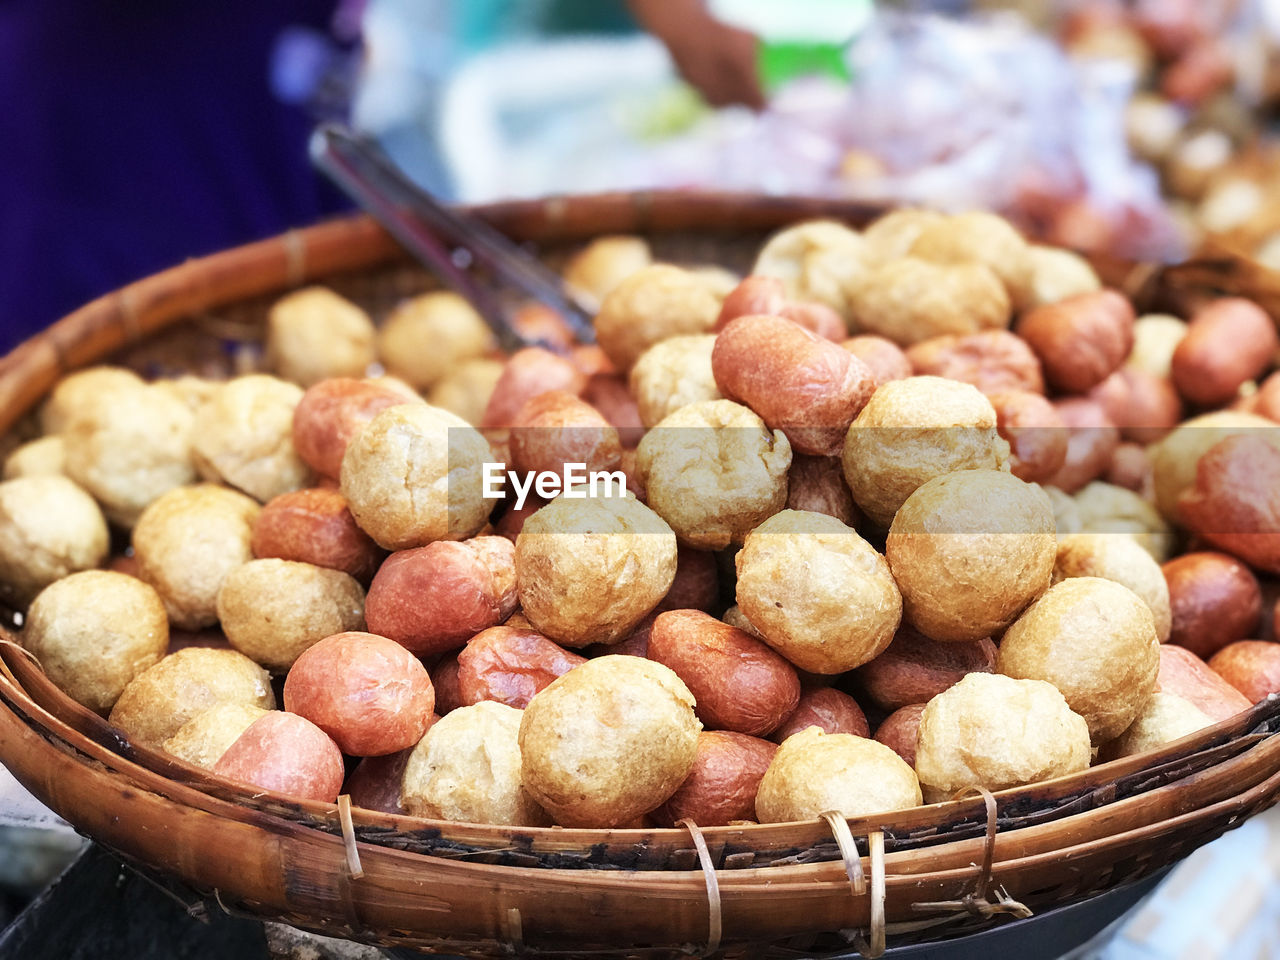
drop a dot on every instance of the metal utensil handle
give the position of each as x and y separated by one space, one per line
350 172
419 215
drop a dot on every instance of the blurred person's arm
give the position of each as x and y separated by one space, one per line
718 59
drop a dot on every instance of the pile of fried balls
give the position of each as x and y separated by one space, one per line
926 479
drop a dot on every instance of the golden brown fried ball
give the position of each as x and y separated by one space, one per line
970 550
1118 557
128 448
1054 275
597 269
997 732
314 334
37 458
1094 640
891 235
588 570
203 739
814 772
673 374
816 261
273 610
980 237
609 741
81 391
49 528
714 471
913 430
652 305
413 475
163 698
94 632
187 542
910 299
467 768
1107 508
243 437
427 337
465 390
817 592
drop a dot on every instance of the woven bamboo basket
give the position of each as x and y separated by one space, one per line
777 890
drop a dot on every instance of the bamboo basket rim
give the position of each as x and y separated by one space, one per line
1259 794
15 698
143 765
127 316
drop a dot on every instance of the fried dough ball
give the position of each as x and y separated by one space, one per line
273 610
738 681
900 730
1107 508
510 664
817 592
44 457
980 237
191 390
203 739
186 543
673 374
816 261
1165 718
1094 640
597 269
426 337
891 235
1115 556
817 484
1055 275
243 437
465 390
163 698
714 471
315 526
589 569
285 753
910 300
413 476
433 599
969 551
997 732
49 528
314 334
94 631
1174 458
913 430
724 781
915 668
368 693
814 772
128 448
82 391
1155 338
652 305
468 768
333 411
609 741
374 784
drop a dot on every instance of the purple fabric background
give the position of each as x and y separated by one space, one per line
135 135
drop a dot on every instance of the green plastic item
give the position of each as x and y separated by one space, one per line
781 61
799 37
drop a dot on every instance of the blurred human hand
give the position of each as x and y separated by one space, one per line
718 59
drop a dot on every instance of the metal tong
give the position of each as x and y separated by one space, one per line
447 242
